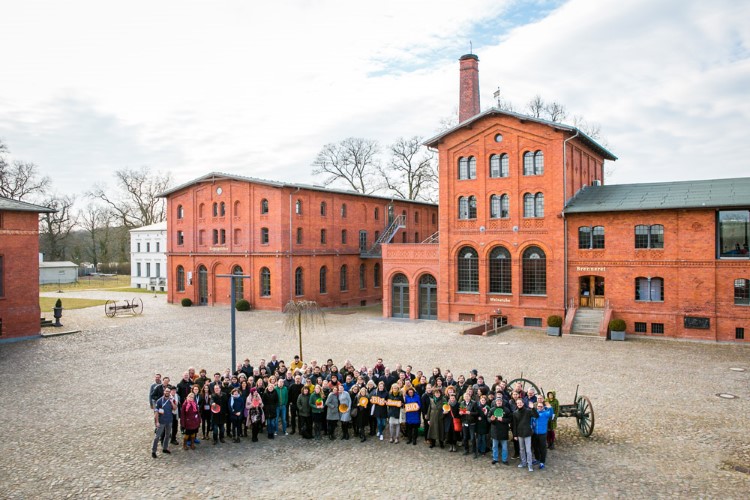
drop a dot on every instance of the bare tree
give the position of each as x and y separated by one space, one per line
299 313
136 204
410 172
95 220
54 228
19 179
555 111
353 161
536 106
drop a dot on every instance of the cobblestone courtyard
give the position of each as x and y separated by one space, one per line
77 421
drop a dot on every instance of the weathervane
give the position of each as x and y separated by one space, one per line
471 47
497 96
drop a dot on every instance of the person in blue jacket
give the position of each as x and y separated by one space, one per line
236 413
413 405
539 425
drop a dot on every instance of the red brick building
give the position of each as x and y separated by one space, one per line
528 230
19 269
294 241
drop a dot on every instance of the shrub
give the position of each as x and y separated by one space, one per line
58 303
186 302
554 321
617 325
242 305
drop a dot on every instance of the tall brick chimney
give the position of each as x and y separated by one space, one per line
468 102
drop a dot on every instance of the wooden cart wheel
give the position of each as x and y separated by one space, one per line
136 306
110 308
525 383
585 416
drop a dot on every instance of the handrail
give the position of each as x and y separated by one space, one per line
398 223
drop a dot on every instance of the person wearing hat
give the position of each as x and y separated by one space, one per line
219 412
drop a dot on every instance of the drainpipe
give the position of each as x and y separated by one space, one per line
291 271
565 221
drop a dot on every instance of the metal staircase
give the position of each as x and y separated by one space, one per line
375 252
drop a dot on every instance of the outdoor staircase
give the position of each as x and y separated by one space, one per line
376 251
587 321
45 322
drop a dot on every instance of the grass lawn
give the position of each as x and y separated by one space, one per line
47 303
90 283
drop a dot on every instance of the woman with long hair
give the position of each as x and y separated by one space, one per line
317 407
255 416
191 420
204 403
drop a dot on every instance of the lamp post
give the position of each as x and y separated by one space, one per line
233 277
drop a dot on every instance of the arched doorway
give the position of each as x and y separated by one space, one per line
591 291
202 285
427 297
400 297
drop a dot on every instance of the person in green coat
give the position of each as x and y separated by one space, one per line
555 404
283 407
435 418
317 408
304 412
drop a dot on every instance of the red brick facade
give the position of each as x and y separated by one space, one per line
19 273
289 212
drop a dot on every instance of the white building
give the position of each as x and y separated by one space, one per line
148 257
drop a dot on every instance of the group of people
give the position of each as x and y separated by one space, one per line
315 398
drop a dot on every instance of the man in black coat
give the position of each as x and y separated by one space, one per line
218 419
522 425
294 391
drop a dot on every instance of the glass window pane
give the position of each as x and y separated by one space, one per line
584 237
468 270
504 166
598 237
641 236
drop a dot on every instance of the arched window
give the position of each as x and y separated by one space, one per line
239 285
538 163
468 270
362 277
299 235
504 165
472 207
323 208
299 287
499 165
236 212
500 274
533 205
742 292
649 289
343 279
499 206
528 163
201 210
180 212
534 270
472 167
180 279
377 213
597 237
343 210
323 237
343 236
416 217
264 236
539 205
215 238
265 282
467 168
264 206
298 207
649 236
323 279
222 209
584 237
215 210
463 207
376 275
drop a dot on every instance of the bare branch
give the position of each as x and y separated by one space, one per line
353 161
410 172
536 106
20 179
299 313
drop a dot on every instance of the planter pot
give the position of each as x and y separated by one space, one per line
57 311
613 335
553 331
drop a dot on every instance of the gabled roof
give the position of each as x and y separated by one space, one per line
714 193
433 141
21 206
215 176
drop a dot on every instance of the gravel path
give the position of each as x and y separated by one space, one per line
78 423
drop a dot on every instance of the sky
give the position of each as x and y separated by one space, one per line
258 88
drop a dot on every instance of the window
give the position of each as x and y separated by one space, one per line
237 236
467 207
180 238
323 208
499 165
137 247
265 282
236 209
323 236
298 207
528 163
323 280
500 273
590 237
641 327
299 235
739 333
598 237
499 207
343 210
180 212
416 217
362 277
223 236
222 209
742 292
649 236
264 206
299 286
467 168
362 240
734 234
377 213
468 270
533 322
649 289
343 236
148 269
343 280
215 238
538 163
180 279
534 271
201 209
215 210
657 328
376 275
533 205
148 247
264 236
138 269
239 283
158 244
416 237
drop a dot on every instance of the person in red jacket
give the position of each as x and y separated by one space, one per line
191 419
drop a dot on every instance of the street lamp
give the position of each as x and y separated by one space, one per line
234 329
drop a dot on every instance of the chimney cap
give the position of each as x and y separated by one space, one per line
469 56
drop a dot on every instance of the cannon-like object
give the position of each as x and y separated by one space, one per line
133 307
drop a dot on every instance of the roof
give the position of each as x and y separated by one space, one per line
62 263
433 141
22 206
214 176
713 193
159 226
